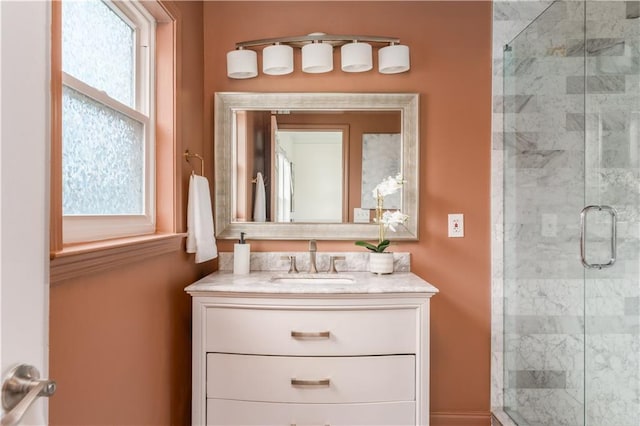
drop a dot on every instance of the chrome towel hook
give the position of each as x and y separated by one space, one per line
188 155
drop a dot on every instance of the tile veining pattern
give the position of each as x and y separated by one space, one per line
612 121
273 261
267 265
543 193
363 283
509 19
561 154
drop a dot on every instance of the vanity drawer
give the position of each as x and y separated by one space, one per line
311 331
311 379
243 413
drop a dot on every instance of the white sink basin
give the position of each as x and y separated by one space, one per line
313 279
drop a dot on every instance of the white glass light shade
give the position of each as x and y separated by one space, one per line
393 59
356 57
242 64
277 59
317 58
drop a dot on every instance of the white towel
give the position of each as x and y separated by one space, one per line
201 238
259 202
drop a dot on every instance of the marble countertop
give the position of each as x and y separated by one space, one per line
349 283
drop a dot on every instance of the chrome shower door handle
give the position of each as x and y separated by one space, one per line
583 236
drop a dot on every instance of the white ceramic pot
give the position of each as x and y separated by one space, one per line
381 263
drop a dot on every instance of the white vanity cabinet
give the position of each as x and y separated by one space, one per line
299 357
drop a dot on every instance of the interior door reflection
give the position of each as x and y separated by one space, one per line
309 175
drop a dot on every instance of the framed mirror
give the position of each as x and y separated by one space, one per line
292 166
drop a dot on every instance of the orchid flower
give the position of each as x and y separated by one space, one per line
392 219
388 186
385 220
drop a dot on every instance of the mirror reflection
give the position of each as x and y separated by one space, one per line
272 186
313 166
308 176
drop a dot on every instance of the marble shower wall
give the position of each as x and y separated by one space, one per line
509 19
543 146
612 322
279 261
550 174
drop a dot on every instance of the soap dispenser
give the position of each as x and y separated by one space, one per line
241 256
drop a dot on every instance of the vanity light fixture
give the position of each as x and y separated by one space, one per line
277 59
393 59
242 63
317 55
356 57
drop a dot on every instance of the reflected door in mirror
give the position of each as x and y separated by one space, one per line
309 175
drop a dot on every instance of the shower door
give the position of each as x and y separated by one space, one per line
571 217
612 171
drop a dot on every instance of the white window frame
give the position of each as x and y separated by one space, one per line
86 228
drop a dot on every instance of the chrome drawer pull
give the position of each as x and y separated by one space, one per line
311 334
295 424
321 382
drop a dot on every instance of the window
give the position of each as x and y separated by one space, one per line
119 121
108 123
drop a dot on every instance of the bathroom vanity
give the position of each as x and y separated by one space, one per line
327 349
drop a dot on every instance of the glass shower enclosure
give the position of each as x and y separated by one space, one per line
572 217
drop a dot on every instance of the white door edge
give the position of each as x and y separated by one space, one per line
25 34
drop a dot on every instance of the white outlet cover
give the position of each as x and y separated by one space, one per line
361 215
456 225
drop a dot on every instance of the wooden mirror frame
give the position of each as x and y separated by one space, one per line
226 104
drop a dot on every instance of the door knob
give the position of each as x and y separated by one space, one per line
20 389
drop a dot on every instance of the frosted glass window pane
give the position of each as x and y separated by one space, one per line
102 158
98 48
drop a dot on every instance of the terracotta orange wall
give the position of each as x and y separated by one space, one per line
120 341
451 70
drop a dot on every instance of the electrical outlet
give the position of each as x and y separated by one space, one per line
456 225
361 215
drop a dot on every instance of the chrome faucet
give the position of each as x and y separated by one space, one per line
312 257
293 269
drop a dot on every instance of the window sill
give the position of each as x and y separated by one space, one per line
89 258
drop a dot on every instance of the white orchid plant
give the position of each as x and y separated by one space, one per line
387 219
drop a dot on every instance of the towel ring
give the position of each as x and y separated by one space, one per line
188 155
